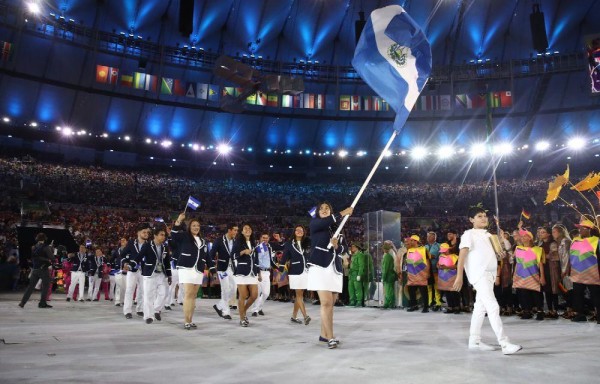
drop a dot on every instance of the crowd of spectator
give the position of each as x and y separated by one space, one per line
102 205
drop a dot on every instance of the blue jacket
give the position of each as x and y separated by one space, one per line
223 254
149 259
95 266
297 255
191 255
79 262
321 232
245 265
130 255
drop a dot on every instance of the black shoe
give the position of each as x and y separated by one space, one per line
233 307
135 303
128 316
295 320
149 321
338 304
167 307
21 305
227 317
316 302
187 326
254 314
117 305
412 309
436 308
157 316
539 316
89 300
579 318
219 312
526 316
44 305
68 299
447 311
141 314
322 339
95 300
261 313
425 310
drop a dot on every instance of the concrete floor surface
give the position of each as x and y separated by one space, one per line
92 342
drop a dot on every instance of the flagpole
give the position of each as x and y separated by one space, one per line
364 186
490 130
186 204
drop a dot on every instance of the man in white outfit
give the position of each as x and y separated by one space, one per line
223 250
79 269
156 272
265 262
478 259
95 275
131 265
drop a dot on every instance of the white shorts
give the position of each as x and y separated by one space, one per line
190 276
245 280
299 281
324 279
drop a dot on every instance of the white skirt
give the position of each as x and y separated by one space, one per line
299 281
324 279
189 276
245 280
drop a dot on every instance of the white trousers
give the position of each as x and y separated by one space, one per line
485 302
173 286
134 281
77 278
155 294
120 284
228 288
94 286
264 290
112 284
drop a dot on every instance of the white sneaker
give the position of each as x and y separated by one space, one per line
480 346
509 349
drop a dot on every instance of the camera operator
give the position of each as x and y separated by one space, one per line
41 257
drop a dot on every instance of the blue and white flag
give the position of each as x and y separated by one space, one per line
393 57
193 203
313 212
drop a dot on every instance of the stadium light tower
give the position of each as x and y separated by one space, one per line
33 7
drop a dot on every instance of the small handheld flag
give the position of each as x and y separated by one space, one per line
526 215
313 212
193 203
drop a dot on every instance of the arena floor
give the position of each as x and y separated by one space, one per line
93 343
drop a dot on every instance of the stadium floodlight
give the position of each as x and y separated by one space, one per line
418 153
33 7
33 124
445 152
388 153
343 153
361 153
223 149
166 143
576 143
127 138
503 149
195 147
148 141
478 150
542 146
67 131
6 119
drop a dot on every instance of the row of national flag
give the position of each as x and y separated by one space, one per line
502 99
212 92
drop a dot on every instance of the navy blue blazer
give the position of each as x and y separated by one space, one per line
191 255
297 255
321 231
149 259
223 254
79 262
95 266
245 265
130 255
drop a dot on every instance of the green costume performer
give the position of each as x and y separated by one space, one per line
388 277
357 275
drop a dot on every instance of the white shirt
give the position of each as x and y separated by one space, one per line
481 257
